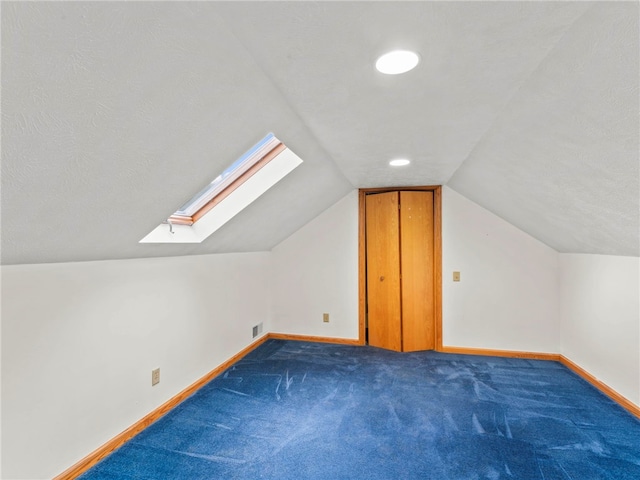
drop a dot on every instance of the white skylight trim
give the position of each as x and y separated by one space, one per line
284 162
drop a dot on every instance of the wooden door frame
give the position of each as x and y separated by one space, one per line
437 257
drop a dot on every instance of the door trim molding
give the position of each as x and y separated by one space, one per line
437 257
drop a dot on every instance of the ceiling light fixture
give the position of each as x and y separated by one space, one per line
399 162
398 61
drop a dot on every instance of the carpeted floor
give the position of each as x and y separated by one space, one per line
307 411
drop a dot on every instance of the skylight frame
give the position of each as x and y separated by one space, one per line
264 165
231 178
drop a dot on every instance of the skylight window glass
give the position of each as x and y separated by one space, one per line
234 175
246 179
229 175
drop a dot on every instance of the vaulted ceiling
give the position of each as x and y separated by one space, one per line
114 114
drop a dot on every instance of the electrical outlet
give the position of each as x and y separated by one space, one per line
456 276
155 377
325 317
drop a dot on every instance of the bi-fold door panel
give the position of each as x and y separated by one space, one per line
383 272
399 257
416 269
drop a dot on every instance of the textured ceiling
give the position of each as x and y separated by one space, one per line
114 114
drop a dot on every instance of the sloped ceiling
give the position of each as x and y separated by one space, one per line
114 114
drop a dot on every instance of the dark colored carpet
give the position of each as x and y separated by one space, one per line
297 410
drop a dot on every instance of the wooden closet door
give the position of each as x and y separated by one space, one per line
383 270
416 267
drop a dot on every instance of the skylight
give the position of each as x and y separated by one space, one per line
233 176
255 172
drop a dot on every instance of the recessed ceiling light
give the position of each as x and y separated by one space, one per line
399 162
398 61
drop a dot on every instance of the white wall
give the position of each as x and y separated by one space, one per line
507 298
315 271
79 342
600 318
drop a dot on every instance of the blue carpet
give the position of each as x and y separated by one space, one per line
306 411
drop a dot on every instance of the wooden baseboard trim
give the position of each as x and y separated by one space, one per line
501 353
94 457
311 338
603 387
101 452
